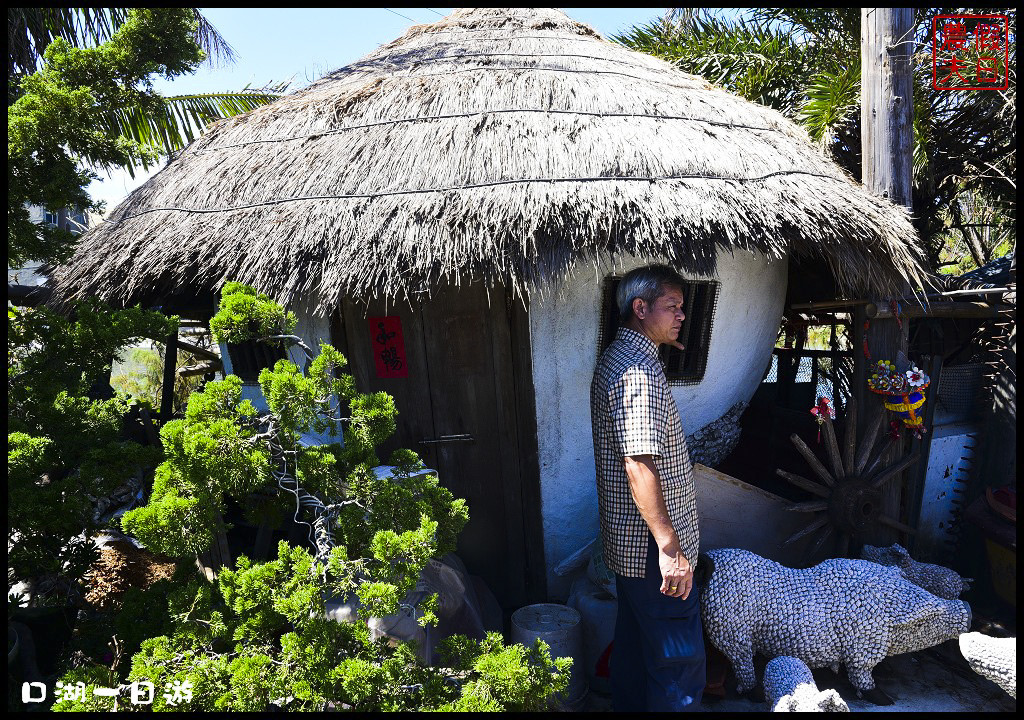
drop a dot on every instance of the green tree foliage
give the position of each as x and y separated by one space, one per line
58 121
140 375
64 448
71 73
805 62
166 125
259 635
224 447
31 30
92 103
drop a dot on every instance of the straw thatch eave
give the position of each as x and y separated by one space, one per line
505 145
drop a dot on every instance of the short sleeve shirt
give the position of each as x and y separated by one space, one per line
633 413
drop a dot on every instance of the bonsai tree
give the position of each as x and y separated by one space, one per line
256 634
65 446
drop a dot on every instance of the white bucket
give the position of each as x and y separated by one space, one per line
560 627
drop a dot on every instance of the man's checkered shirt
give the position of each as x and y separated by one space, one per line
633 413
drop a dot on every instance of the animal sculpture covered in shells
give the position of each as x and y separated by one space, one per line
789 687
992 658
849 612
935 579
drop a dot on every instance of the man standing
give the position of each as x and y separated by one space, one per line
647 503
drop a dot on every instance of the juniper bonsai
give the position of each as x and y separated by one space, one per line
258 635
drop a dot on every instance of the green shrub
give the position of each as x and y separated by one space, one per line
259 634
64 448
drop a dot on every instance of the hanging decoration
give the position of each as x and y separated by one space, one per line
902 384
821 411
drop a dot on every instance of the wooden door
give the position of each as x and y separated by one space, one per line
458 407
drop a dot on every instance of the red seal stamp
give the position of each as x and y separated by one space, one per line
970 52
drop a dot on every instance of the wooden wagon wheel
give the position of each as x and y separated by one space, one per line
849 497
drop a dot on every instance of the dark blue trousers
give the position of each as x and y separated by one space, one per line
657 661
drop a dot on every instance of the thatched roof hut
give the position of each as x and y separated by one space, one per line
485 156
498 144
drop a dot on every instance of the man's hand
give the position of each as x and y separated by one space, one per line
676 574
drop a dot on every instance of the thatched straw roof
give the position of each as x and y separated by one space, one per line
503 144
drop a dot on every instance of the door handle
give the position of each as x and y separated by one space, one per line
464 437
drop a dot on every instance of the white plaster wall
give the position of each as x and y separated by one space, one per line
564 328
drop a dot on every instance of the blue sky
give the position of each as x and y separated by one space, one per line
302 44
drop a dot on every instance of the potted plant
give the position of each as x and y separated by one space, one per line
253 327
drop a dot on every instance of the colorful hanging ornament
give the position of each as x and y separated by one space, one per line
821 411
903 385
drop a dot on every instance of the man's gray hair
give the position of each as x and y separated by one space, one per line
647 283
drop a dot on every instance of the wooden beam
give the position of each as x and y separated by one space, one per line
879 311
832 449
850 436
810 506
820 522
887 92
859 379
828 304
197 351
891 472
896 524
887 140
870 437
201 369
887 452
916 481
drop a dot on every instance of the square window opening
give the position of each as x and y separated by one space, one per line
682 367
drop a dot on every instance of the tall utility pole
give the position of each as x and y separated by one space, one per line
887 91
887 141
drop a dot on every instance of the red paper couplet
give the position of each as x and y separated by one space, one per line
388 347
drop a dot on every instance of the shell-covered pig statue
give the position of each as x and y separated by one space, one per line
992 658
850 612
789 687
935 579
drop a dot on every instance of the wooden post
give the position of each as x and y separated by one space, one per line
887 143
887 135
859 389
915 494
170 374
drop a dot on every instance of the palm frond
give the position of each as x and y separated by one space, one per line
756 60
180 119
833 101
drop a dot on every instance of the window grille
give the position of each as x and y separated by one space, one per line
682 367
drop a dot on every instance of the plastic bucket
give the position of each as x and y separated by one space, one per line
560 627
